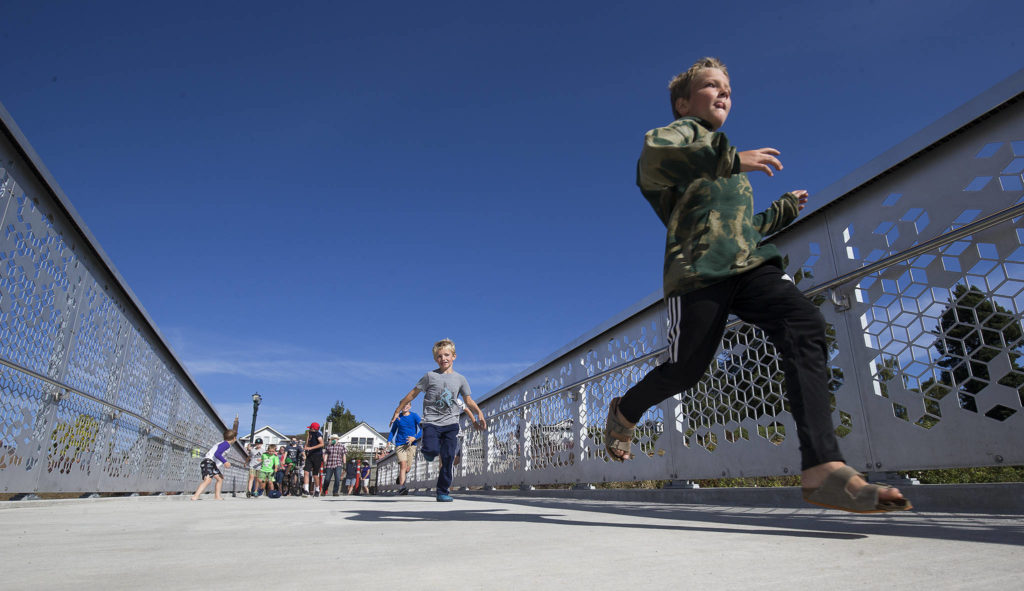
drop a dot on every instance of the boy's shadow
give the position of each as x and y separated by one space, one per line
494 515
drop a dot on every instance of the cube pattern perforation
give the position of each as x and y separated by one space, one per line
961 337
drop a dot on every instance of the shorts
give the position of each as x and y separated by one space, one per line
313 463
266 476
209 468
406 453
254 471
350 482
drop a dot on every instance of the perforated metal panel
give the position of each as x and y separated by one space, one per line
91 399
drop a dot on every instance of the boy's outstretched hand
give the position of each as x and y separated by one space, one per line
802 196
761 159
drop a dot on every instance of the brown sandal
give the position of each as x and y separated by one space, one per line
618 433
833 494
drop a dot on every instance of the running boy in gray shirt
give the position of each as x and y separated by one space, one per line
441 389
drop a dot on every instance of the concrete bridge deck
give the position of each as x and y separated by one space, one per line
494 542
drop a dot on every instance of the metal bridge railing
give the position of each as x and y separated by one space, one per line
92 399
919 272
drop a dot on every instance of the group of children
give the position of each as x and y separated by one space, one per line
270 469
715 264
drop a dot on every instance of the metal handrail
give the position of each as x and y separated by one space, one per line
940 240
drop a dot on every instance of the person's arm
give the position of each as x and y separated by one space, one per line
219 454
417 430
310 448
394 430
472 405
408 398
780 213
676 155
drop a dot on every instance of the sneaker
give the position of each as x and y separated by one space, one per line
405 491
444 498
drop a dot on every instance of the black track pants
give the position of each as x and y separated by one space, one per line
794 325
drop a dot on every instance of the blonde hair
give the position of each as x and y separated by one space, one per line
443 344
230 434
679 87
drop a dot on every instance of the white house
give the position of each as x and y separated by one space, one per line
268 434
363 437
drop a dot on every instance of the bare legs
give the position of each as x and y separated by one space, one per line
216 488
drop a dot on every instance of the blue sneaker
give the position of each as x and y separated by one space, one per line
444 498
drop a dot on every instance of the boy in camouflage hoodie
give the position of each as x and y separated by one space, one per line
715 265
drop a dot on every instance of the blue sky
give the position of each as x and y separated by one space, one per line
305 196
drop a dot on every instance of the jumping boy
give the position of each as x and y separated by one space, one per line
442 387
715 265
210 465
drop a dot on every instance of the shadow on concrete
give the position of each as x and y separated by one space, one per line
494 515
989 529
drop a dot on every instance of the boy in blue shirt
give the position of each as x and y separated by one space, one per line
405 430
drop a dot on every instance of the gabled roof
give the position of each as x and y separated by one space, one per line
275 432
363 424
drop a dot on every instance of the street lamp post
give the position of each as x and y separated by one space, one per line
255 406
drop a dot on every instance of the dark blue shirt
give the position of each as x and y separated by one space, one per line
405 426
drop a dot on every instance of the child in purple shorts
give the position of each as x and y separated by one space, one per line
211 463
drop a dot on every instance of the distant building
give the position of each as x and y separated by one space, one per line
364 438
268 434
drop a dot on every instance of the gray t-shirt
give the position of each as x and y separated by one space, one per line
441 392
256 456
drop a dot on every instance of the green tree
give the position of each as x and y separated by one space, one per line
341 419
973 331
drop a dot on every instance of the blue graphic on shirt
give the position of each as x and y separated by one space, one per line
445 401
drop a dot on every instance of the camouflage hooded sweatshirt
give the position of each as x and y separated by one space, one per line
691 177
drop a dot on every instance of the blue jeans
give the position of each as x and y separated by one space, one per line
444 441
336 472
